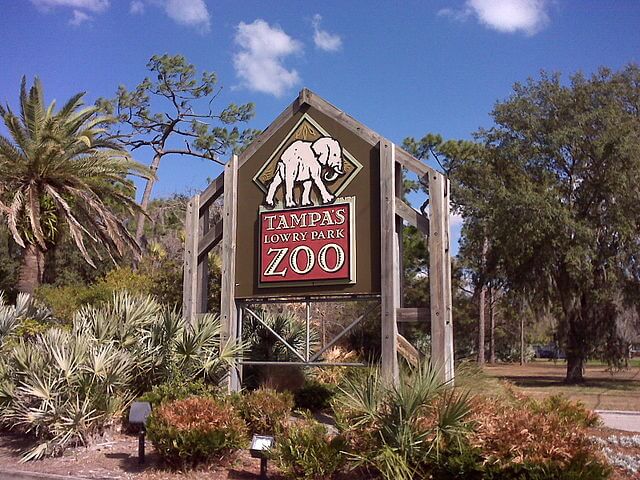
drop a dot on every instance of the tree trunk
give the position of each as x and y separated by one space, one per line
575 365
146 197
481 325
481 305
492 328
31 269
521 338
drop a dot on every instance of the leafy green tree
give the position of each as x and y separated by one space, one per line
62 169
556 190
177 127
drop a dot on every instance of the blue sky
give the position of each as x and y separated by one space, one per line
402 68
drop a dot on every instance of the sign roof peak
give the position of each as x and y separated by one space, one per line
308 97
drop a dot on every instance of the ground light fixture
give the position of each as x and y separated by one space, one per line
138 414
260 446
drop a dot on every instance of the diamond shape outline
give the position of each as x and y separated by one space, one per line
357 165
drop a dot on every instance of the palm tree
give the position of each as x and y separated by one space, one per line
63 169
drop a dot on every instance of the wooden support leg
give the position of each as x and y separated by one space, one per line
190 279
440 277
389 263
228 308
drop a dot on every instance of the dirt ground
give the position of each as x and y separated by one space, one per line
117 458
602 390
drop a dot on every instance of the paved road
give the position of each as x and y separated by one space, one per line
620 420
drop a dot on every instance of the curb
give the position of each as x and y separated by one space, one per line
26 475
618 412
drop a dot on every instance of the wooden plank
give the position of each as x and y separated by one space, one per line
203 263
389 263
412 217
212 192
228 309
210 239
412 314
399 231
408 351
190 274
411 163
448 324
439 278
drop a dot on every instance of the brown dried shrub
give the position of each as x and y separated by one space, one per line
195 430
517 433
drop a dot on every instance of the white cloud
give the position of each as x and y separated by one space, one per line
136 7
79 17
81 9
192 13
507 16
259 63
324 40
95 6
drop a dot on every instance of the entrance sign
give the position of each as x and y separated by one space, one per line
313 244
296 203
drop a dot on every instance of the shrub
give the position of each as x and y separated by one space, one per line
405 431
265 410
64 301
26 317
305 450
521 440
195 430
333 375
314 396
179 389
66 387
568 411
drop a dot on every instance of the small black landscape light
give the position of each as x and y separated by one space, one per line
260 446
138 414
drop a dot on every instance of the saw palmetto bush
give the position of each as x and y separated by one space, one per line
265 345
25 309
405 431
67 386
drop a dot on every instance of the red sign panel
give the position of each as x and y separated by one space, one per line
307 244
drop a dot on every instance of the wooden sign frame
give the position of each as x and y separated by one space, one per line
201 237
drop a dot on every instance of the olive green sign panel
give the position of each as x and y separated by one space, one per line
356 176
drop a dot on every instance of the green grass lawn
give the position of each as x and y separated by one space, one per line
603 389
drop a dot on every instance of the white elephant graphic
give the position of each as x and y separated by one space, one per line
302 162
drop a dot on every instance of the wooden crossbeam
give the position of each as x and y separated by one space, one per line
212 192
414 165
412 217
412 314
408 351
210 239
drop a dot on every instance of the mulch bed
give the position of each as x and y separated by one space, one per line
117 457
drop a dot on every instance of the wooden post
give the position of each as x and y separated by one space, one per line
399 228
228 309
390 290
190 278
440 277
203 265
